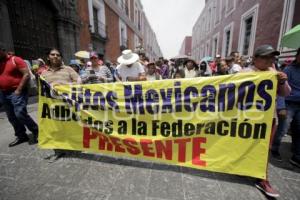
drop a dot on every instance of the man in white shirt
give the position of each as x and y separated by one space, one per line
130 69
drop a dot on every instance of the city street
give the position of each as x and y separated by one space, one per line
24 174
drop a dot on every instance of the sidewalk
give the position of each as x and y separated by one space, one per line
25 175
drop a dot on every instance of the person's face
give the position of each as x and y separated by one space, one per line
224 66
190 65
218 59
236 57
55 58
94 61
264 62
142 57
151 69
177 75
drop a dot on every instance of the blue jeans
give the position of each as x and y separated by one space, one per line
16 111
280 132
293 114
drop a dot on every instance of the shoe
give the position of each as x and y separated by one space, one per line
295 162
276 155
266 188
18 141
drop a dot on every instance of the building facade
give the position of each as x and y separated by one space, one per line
115 25
242 25
32 27
186 46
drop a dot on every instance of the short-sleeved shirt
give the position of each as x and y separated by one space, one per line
63 75
123 71
10 74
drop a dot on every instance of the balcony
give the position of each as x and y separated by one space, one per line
99 34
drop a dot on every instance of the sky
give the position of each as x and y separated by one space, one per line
172 20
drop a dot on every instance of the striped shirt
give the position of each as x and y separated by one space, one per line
100 74
62 75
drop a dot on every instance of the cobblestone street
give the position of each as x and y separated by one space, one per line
24 174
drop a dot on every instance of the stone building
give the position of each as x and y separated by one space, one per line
241 25
115 25
31 28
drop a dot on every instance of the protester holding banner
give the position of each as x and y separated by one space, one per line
58 74
130 69
264 57
14 77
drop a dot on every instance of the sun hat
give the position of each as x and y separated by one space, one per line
128 57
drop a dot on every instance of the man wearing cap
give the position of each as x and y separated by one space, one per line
130 69
14 76
263 60
293 107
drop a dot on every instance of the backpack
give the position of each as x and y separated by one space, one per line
31 84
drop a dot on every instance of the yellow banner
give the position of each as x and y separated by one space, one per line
220 124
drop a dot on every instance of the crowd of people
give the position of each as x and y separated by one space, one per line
14 73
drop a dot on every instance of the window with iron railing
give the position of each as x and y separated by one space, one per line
247 37
99 27
227 42
96 21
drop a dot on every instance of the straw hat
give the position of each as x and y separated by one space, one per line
128 57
